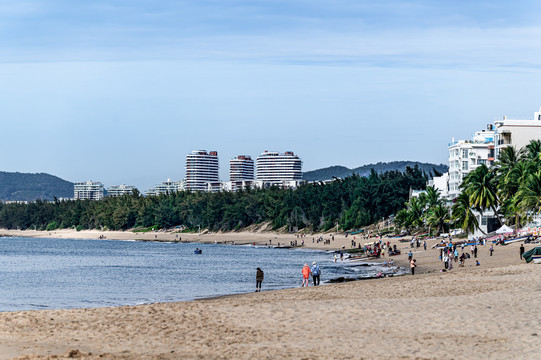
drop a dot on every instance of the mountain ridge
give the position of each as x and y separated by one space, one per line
16 186
339 171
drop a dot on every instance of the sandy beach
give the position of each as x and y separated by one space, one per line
485 311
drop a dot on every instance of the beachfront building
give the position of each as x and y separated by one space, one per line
166 187
516 133
119 190
201 169
241 173
466 156
88 190
241 168
279 169
441 183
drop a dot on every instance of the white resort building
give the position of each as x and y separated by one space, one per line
279 169
241 168
89 190
166 187
241 173
516 133
119 190
201 169
466 156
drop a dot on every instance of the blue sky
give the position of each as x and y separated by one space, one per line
121 91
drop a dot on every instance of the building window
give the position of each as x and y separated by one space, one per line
465 166
464 153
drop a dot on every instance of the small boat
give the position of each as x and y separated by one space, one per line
521 238
536 259
198 251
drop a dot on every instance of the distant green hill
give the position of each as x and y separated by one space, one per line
29 187
342 171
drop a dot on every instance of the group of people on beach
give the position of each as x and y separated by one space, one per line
314 270
306 271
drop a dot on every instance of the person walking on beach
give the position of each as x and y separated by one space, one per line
413 266
305 274
475 251
491 249
316 271
521 250
259 276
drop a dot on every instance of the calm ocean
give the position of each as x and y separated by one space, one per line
68 273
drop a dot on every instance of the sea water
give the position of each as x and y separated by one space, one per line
50 273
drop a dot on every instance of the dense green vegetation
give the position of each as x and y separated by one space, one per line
30 187
381 167
511 189
352 202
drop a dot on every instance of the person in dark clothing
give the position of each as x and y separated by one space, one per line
475 251
259 276
316 272
521 250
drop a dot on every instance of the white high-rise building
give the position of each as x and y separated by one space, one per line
89 190
276 168
516 133
241 168
119 190
467 155
201 169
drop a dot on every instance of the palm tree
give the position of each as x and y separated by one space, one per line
462 214
529 194
432 197
481 187
532 151
438 216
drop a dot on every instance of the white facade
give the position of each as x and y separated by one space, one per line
467 155
201 169
252 184
89 190
241 168
119 190
516 133
166 187
275 168
441 183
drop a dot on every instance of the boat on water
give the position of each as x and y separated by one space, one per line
198 251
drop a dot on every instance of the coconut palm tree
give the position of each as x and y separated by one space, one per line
529 194
438 216
462 214
532 151
481 186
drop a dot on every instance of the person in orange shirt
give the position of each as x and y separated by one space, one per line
305 274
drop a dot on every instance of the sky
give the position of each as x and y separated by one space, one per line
120 91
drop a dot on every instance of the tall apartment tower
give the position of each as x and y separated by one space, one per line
467 155
275 168
241 168
88 190
201 168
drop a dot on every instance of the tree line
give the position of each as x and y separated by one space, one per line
510 189
351 203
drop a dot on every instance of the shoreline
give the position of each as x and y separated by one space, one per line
483 309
